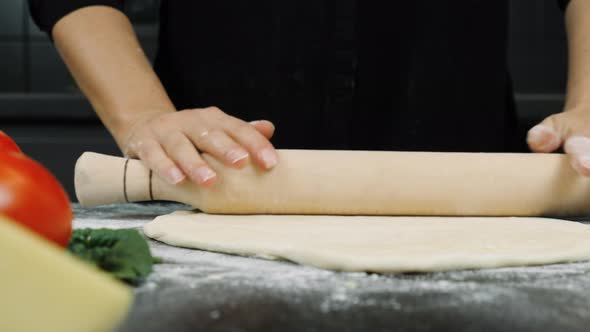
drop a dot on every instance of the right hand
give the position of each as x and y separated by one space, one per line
170 143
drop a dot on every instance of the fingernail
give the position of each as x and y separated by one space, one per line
578 145
175 175
579 141
538 134
585 162
269 158
204 174
235 156
254 122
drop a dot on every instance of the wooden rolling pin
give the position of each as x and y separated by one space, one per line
356 183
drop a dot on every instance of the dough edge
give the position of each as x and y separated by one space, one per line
159 231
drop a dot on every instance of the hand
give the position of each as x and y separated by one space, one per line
570 129
169 143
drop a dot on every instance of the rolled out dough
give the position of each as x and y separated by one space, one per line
380 244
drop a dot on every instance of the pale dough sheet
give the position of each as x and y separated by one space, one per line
380 244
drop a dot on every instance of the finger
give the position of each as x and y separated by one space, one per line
262 152
266 128
152 154
578 148
547 136
184 153
222 147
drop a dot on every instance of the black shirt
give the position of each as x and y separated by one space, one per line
411 75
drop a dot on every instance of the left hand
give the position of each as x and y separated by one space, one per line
570 129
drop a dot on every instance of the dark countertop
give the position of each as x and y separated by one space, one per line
203 291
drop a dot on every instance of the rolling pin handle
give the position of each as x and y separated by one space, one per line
101 179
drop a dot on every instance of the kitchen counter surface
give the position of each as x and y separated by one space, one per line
202 291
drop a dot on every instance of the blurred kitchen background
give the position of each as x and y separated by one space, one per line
43 110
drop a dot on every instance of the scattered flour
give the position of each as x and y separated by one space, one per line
335 291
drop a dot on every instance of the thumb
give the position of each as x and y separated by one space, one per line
569 129
548 135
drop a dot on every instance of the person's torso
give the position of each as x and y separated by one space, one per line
415 75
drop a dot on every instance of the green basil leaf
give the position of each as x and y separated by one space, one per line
123 253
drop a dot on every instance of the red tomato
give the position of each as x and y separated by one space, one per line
31 196
7 144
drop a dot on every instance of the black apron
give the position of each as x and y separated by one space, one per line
343 74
